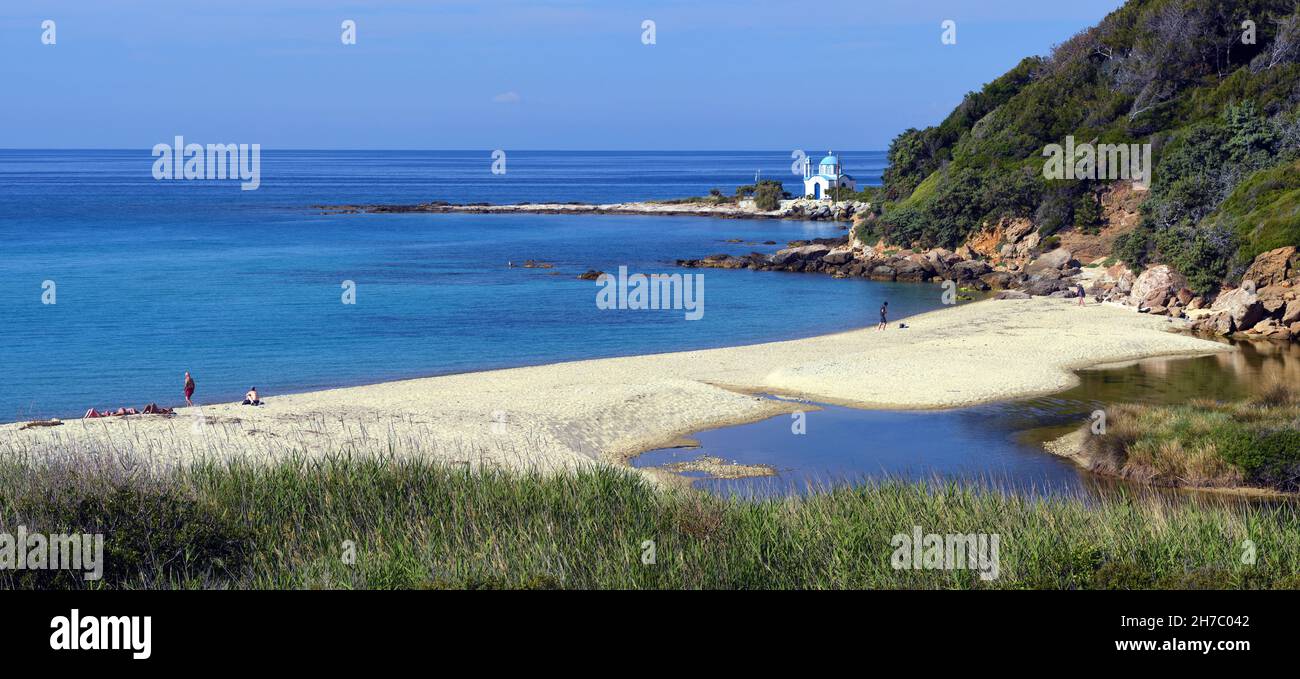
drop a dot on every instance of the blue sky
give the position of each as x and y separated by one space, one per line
514 74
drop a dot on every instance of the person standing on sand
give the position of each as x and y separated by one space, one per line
884 314
1081 294
189 389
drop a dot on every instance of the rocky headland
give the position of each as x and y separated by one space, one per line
798 209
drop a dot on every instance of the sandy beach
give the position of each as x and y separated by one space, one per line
561 416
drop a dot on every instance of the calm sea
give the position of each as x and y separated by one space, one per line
243 288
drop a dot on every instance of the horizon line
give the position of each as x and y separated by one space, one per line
422 150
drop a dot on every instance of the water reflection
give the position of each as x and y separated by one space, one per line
998 445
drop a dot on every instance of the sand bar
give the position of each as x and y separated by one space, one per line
560 416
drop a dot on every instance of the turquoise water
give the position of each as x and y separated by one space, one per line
243 288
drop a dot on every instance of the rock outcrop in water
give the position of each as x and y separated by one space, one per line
1049 274
1250 311
1009 256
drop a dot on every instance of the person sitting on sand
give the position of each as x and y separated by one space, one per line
251 399
884 316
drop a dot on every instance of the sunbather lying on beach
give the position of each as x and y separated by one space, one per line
111 413
151 409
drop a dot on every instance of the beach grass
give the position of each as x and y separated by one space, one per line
350 522
1252 443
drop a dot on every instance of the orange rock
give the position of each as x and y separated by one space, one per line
1272 267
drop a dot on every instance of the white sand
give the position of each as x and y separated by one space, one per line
564 415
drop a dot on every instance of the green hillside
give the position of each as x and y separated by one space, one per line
1222 115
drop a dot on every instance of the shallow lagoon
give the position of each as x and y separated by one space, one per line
999 444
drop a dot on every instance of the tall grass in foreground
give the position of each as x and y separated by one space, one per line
418 524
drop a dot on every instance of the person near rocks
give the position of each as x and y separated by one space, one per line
884 316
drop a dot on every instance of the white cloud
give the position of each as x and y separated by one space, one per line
510 97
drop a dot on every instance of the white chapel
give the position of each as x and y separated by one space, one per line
829 174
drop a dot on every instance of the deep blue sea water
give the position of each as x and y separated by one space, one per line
243 288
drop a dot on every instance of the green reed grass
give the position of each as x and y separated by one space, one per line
419 524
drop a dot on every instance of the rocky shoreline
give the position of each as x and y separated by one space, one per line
1010 258
1050 274
1020 265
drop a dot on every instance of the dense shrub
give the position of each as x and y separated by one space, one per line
156 532
1171 73
1203 256
1269 459
1132 249
1087 212
767 193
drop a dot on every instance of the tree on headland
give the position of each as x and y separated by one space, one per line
767 193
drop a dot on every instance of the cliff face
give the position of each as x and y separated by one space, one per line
1120 215
1016 241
